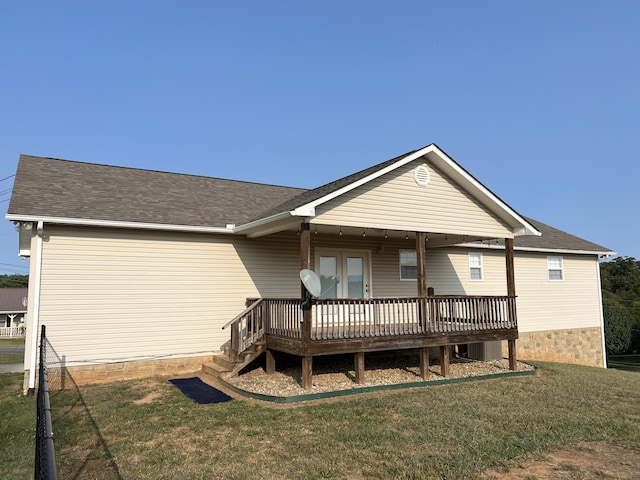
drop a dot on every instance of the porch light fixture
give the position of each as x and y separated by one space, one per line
315 229
340 233
364 232
406 236
385 233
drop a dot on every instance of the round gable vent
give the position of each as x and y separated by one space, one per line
421 175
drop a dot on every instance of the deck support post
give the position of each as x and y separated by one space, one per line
307 372
305 262
359 367
424 363
512 354
271 363
444 360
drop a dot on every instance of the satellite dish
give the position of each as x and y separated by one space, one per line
310 281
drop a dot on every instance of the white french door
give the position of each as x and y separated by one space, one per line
343 274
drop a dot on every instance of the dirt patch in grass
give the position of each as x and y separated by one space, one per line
586 460
150 398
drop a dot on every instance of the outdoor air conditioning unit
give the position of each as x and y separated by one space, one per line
486 351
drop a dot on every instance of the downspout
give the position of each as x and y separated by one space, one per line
36 310
604 344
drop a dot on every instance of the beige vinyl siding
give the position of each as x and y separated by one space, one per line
542 304
545 304
112 295
395 202
448 272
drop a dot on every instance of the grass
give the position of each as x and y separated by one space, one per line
148 429
6 358
17 428
11 342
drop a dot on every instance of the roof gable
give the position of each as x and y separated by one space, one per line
397 201
305 204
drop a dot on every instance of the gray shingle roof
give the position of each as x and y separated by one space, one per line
319 192
11 300
554 239
48 187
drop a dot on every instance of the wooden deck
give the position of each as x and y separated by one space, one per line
336 326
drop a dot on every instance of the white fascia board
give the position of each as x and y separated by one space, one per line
527 228
262 222
565 251
87 222
308 210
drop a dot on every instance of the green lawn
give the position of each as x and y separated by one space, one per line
148 429
12 342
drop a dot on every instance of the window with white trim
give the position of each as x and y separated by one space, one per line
475 266
555 268
408 265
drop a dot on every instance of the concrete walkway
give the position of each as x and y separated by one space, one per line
12 368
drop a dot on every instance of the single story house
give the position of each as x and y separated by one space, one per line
138 272
13 309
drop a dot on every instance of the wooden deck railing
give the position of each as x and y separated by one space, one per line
247 328
373 317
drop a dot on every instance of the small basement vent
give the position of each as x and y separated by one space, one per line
421 175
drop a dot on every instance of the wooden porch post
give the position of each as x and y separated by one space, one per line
421 263
305 262
511 292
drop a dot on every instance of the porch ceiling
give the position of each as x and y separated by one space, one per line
434 240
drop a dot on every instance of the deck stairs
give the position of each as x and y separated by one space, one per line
222 365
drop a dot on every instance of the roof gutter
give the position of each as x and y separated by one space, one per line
263 221
118 224
602 254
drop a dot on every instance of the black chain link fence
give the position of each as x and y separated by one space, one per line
45 460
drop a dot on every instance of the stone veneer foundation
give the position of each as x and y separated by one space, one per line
582 346
110 372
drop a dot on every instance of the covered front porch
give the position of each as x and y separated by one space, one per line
329 326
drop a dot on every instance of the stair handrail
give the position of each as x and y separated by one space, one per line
245 312
247 328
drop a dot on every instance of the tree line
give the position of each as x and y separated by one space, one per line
621 304
14 281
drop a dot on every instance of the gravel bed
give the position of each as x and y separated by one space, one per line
337 373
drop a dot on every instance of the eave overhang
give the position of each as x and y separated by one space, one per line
87 222
556 251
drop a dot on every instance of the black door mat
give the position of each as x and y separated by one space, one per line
200 392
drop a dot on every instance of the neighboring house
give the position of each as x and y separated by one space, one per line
13 309
137 271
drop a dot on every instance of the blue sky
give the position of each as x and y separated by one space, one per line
538 100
